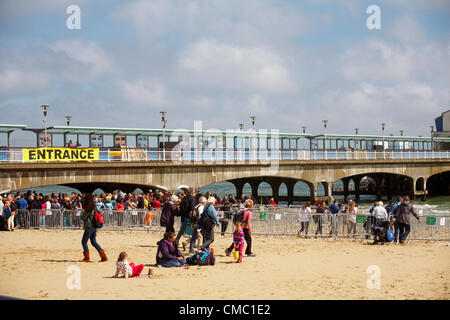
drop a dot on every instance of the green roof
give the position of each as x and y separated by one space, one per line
11 127
374 137
159 132
209 132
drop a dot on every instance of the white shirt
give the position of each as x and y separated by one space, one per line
123 267
304 214
380 212
353 215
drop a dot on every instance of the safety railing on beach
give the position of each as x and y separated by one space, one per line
237 155
278 221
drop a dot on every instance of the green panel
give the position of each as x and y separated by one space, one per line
360 218
431 221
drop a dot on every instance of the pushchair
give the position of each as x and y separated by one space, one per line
382 232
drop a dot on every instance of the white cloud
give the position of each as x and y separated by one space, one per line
143 93
88 53
377 61
248 22
17 81
209 63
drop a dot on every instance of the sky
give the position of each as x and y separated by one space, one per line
289 63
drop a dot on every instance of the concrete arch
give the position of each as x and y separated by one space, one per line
302 182
379 184
247 186
438 184
283 188
258 193
420 184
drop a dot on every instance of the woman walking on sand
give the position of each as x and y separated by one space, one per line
90 232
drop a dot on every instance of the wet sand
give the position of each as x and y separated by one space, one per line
35 263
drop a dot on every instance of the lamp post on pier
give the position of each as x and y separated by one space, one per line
431 133
325 137
68 118
164 122
45 110
382 135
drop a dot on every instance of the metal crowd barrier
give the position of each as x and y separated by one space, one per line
279 221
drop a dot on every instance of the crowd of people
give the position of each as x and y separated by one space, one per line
396 212
193 208
199 217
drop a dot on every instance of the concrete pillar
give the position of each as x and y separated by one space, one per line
378 190
254 185
390 182
346 182
275 189
239 185
290 189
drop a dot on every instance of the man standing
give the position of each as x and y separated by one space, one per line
187 204
394 206
22 206
198 210
380 213
334 210
207 221
402 213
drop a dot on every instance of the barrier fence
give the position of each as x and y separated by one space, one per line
279 221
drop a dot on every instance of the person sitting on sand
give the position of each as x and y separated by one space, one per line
127 269
168 255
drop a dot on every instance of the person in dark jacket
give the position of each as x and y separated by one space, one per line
168 255
226 209
168 213
402 217
187 204
90 232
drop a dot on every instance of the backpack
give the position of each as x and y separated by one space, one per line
165 215
238 216
206 221
202 258
97 221
194 214
13 206
184 209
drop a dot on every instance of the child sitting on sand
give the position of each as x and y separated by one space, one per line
238 240
128 269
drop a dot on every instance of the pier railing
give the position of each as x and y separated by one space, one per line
279 221
235 155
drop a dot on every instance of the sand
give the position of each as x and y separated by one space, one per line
35 264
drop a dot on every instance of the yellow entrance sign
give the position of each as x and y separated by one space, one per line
60 154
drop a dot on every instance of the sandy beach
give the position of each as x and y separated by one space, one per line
35 263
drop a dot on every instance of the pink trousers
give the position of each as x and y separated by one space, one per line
136 269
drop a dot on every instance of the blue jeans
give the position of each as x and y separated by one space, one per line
90 233
396 231
404 231
67 217
169 263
